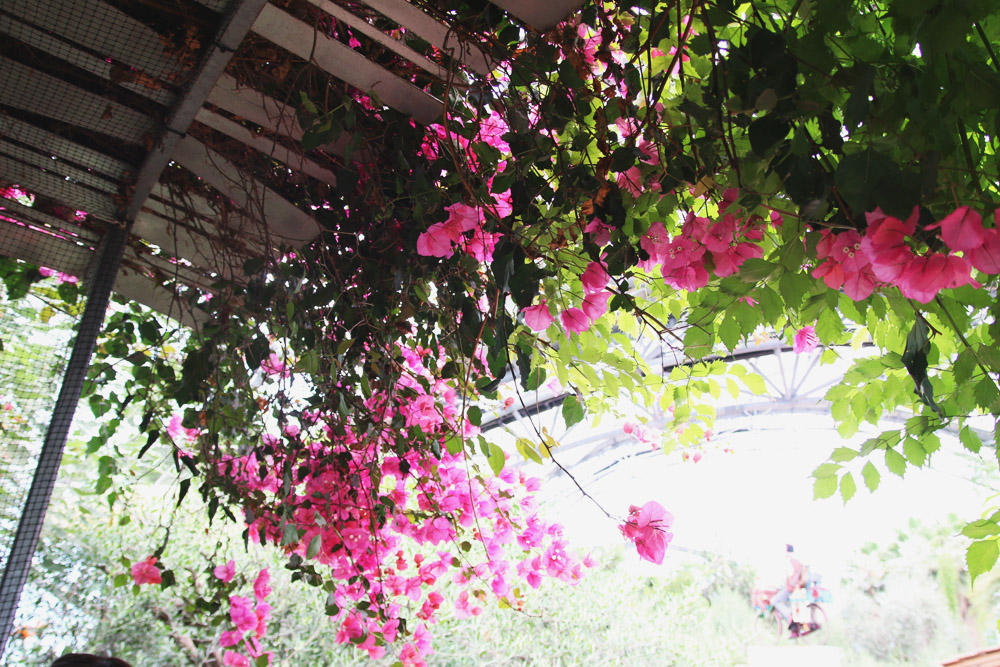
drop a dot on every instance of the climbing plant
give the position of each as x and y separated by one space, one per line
696 174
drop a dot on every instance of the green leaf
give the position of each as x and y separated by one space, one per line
970 439
755 383
453 444
980 529
792 287
183 488
857 105
829 327
121 580
848 487
527 450
843 454
981 557
871 476
572 410
766 132
986 393
315 544
290 535
730 331
496 458
475 415
915 360
826 470
895 462
756 270
824 487
914 452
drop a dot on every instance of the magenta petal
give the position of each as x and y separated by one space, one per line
575 320
986 258
537 317
962 229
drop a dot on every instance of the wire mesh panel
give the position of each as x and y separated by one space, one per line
35 340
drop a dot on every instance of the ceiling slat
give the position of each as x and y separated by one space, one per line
71 54
57 167
432 30
269 147
255 106
54 225
540 15
37 247
391 43
172 271
40 93
136 287
284 221
64 148
180 241
66 193
105 30
346 64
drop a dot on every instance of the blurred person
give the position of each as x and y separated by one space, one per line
796 575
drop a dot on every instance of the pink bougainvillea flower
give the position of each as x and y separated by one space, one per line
275 365
234 659
595 277
225 572
805 340
986 257
859 285
262 585
482 244
423 412
491 131
59 275
631 181
464 608
575 320
600 233
722 234
230 638
648 528
885 244
847 251
502 206
656 242
731 259
595 304
242 614
438 241
926 275
146 572
463 218
537 317
177 432
962 229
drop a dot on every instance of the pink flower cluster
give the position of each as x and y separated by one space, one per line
388 520
595 280
722 247
885 254
648 528
248 616
146 572
58 275
441 238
